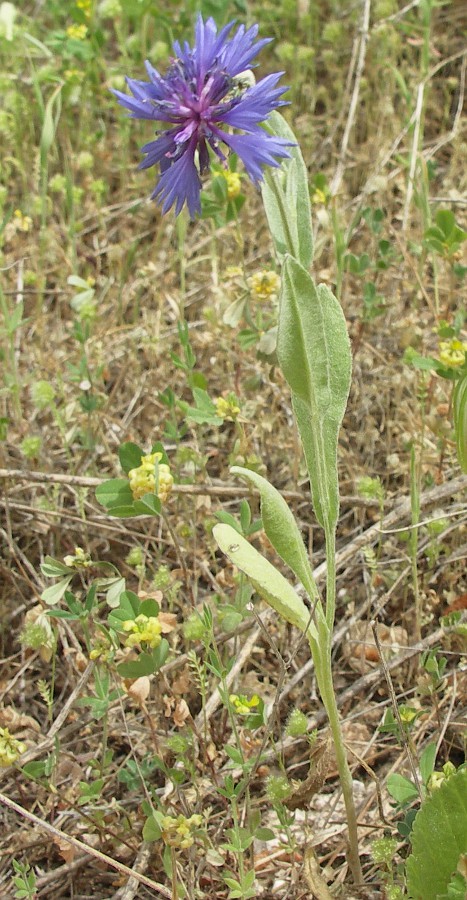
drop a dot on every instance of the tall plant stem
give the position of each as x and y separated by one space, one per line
323 664
328 696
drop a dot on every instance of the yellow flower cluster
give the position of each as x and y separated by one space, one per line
242 705
151 477
80 559
143 630
178 832
10 748
86 6
227 408
264 285
22 223
452 353
101 650
234 184
77 32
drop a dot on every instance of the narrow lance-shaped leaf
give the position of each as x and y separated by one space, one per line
291 180
314 354
282 529
266 580
460 421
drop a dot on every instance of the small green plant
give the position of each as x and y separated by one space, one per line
24 881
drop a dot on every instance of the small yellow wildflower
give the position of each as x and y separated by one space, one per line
80 559
77 32
86 6
10 748
101 650
234 184
22 223
227 407
264 285
151 477
143 630
242 705
318 196
178 832
452 353
72 75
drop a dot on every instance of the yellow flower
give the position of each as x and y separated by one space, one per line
242 705
143 630
10 748
77 32
234 184
101 650
86 6
80 559
178 832
227 408
452 353
318 196
151 477
22 223
264 285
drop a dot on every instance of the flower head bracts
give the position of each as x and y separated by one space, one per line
200 98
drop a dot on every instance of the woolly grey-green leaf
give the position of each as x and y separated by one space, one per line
314 354
266 580
291 181
282 529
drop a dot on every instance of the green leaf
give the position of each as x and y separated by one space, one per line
115 588
289 191
53 567
151 829
439 838
144 665
445 221
264 834
266 580
403 790
128 608
158 447
459 405
147 505
114 493
50 122
205 411
130 455
281 529
427 762
149 607
314 354
160 654
55 592
457 888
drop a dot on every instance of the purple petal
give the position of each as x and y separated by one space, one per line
256 104
140 109
157 151
180 184
257 150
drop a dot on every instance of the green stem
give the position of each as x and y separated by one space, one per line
326 688
330 537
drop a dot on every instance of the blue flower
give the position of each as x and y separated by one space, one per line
200 99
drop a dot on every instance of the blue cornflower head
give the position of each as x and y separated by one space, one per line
200 99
